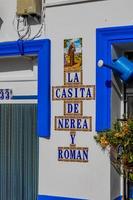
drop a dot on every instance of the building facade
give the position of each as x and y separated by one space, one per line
80 102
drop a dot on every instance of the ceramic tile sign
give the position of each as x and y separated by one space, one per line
73 93
73 153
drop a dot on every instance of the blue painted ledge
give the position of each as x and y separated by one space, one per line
45 197
118 198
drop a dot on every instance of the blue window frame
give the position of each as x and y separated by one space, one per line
40 48
105 38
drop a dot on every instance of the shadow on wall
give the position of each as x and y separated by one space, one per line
1 22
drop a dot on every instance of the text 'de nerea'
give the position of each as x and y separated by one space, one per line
73 124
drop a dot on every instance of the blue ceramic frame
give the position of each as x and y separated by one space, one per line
105 37
40 48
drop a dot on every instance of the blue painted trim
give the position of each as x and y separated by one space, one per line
26 97
118 198
105 37
46 197
44 98
40 48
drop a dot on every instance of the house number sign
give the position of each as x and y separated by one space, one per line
6 94
73 93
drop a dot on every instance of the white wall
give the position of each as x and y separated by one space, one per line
91 180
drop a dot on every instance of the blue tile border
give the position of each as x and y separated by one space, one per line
46 197
105 37
40 48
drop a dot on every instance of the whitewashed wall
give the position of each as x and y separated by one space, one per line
91 180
